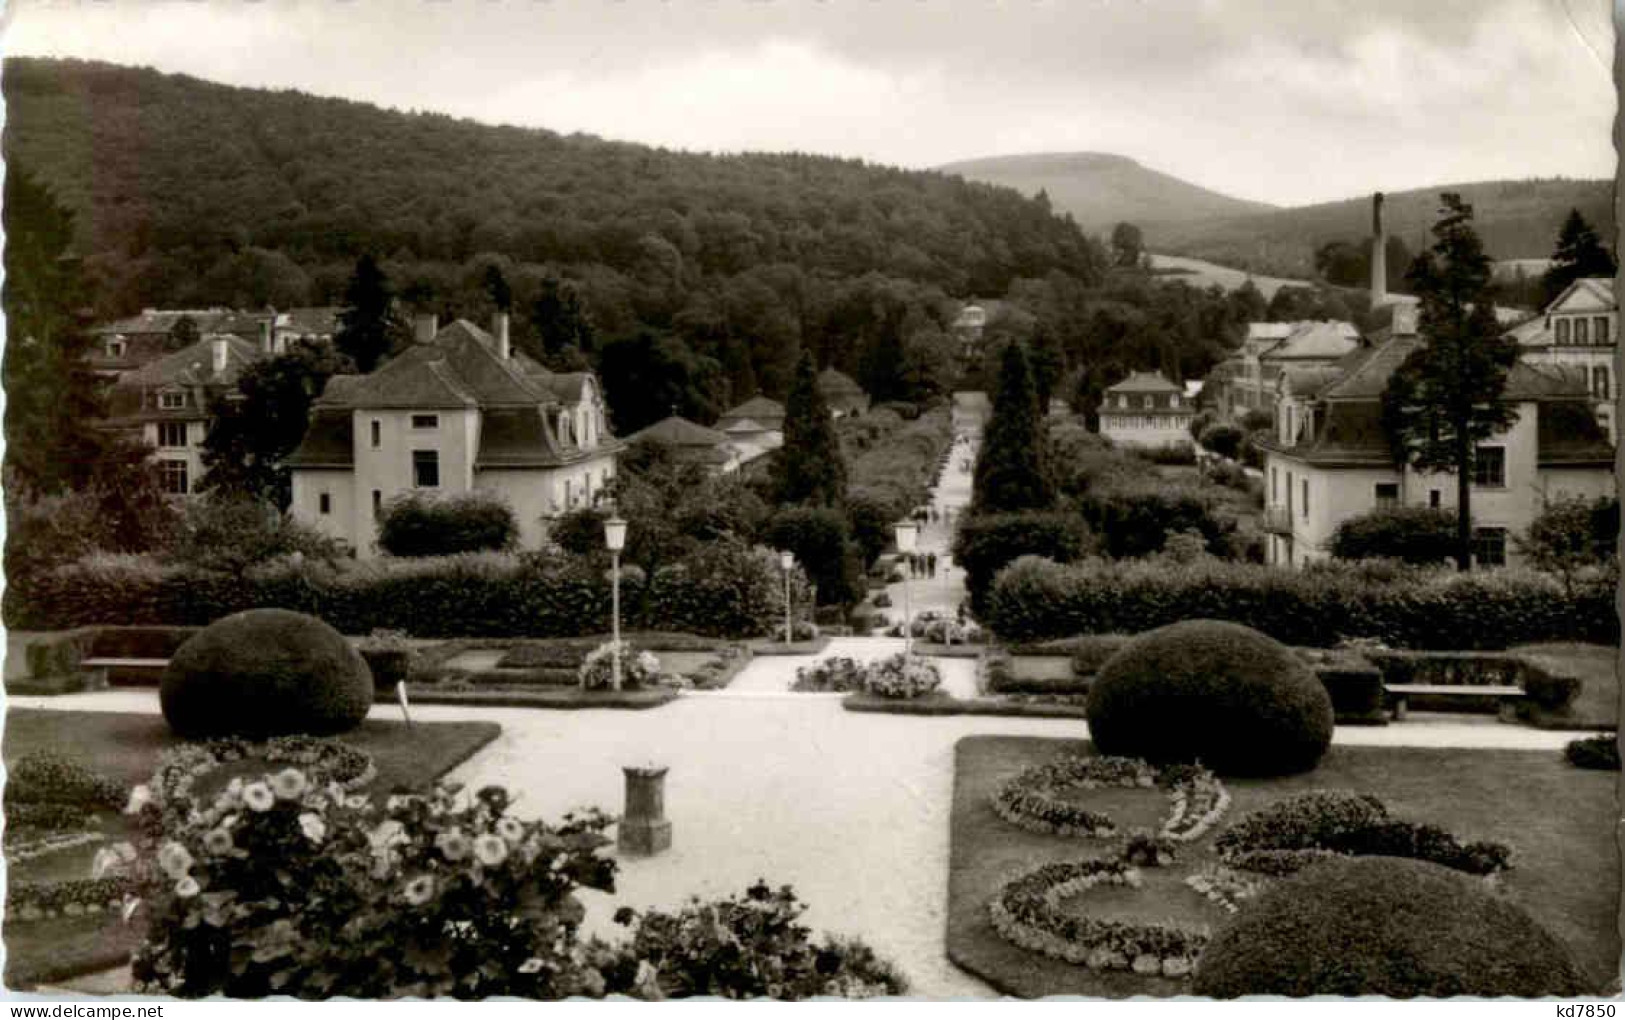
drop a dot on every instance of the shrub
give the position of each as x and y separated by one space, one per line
836 673
1213 692
1035 600
1571 535
749 946
430 524
1179 454
902 676
232 535
819 538
265 672
1224 439
1599 752
881 600
985 543
434 896
897 474
44 777
1135 519
1092 651
1381 926
1551 691
1411 534
638 669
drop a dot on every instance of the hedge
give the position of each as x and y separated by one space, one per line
725 591
985 543
1034 600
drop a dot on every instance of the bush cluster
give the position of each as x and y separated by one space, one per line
434 524
1214 692
1411 534
820 539
1599 752
726 589
44 777
1135 519
1384 926
264 673
986 543
1035 599
232 535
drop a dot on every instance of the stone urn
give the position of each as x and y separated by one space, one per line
644 828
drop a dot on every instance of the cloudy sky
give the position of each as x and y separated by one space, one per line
1286 101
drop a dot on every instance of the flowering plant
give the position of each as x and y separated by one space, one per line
836 673
282 885
903 676
638 669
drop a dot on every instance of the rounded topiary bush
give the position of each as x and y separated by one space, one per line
1384 926
264 673
1237 701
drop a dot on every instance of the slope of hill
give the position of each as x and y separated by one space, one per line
1516 219
1101 189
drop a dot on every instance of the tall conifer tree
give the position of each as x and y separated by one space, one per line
810 469
1012 469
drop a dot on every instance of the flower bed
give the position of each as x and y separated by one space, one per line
838 673
1029 800
638 668
181 767
37 901
899 676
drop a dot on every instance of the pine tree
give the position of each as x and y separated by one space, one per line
1445 398
1048 365
881 368
809 467
1579 253
368 326
52 397
1012 470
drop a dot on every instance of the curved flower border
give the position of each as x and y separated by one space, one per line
180 768
1027 800
1027 913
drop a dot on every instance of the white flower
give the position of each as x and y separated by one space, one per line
312 826
289 784
510 829
453 844
217 841
187 887
258 797
530 966
490 850
418 891
140 797
175 859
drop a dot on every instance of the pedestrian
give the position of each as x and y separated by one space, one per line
931 564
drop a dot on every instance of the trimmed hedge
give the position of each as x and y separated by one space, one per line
434 524
984 544
1413 534
1213 692
266 673
726 590
1384 926
1035 599
1600 752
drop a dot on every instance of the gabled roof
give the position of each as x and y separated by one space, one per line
459 368
329 440
677 431
156 320
1596 293
520 437
417 377
1366 372
834 381
1327 340
194 365
1145 382
758 408
1570 435
744 425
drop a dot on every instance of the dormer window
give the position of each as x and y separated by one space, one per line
171 400
116 348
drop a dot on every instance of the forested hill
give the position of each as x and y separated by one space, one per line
1516 219
189 193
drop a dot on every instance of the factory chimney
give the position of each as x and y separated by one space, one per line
1379 255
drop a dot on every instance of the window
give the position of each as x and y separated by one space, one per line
1275 485
1304 509
426 468
1490 547
377 503
377 433
1490 467
1433 498
1148 401
172 475
171 401
172 433
569 496
324 503
1599 383
425 421
1387 495
1562 331
1582 331
1289 494
1599 330
115 348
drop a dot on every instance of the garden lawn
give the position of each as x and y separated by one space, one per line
1597 666
1556 818
126 746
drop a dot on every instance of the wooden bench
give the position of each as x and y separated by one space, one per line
126 672
1506 696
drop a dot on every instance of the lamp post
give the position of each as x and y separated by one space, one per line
907 532
615 539
787 560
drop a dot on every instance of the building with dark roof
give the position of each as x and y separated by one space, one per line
690 443
458 410
1148 411
842 393
127 344
165 403
1330 459
1248 381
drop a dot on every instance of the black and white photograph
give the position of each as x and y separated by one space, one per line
810 499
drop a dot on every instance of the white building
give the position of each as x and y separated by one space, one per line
1330 459
459 410
1580 328
1147 411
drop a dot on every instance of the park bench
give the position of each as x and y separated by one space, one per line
127 671
1505 696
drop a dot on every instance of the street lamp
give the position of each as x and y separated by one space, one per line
615 539
906 533
787 560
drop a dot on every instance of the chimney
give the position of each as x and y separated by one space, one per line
424 328
1379 255
499 333
220 350
267 337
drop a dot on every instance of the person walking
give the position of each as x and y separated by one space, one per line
931 565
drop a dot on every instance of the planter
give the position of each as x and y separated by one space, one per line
389 666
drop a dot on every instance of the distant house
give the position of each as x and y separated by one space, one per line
129 343
458 410
1247 382
1330 460
760 413
842 393
1147 411
1579 328
165 403
690 443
